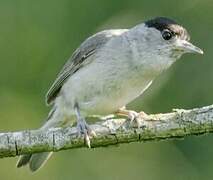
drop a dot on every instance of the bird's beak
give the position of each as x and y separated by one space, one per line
188 47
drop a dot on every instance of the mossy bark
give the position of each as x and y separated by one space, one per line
179 123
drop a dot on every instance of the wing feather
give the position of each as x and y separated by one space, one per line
79 59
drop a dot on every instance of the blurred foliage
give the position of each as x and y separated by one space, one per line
37 37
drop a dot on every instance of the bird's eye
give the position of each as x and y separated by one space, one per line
166 34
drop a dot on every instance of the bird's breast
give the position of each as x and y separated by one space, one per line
113 79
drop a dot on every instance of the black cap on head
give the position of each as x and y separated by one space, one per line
163 23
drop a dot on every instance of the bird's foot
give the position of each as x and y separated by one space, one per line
85 130
135 118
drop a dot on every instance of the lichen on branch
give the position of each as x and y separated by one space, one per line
179 123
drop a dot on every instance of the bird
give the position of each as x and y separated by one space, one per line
107 71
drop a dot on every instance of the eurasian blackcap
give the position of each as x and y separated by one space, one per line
109 70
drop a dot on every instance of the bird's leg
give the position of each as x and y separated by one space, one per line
83 127
133 116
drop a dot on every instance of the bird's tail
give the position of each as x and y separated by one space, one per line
36 161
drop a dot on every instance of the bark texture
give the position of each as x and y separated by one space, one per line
179 123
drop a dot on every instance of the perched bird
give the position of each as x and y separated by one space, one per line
109 70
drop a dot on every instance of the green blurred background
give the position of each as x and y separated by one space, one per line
36 39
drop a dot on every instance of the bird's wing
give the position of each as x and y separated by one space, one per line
80 58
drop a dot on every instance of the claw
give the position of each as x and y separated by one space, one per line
82 127
87 140
92 133
134 117
85 130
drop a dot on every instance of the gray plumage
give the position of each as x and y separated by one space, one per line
23 160
35 161
79 59
109 70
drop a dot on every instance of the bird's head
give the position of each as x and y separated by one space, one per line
165 36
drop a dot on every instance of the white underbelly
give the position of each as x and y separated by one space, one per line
111 101
101 90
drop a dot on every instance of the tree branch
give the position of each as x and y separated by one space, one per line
179 123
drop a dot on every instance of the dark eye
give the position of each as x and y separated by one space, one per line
166 34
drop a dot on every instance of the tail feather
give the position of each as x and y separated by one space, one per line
37 160
23 160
